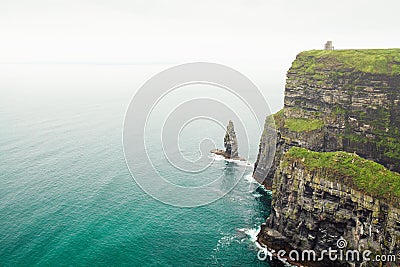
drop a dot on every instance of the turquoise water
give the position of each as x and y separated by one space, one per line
67 197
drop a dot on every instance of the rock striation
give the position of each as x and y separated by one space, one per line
342 100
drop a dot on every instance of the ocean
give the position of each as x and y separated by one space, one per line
67 197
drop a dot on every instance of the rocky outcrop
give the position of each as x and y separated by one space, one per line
335 101
230 143
265 165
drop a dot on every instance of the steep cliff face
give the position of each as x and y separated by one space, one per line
336 101
355 97
319 198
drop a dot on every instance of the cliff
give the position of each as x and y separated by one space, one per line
346 100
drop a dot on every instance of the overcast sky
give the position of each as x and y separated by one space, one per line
259 38
176 31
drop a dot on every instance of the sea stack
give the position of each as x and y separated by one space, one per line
230 141
230 144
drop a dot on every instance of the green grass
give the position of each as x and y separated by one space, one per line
279 118
276 118
303 125
374 61
350 169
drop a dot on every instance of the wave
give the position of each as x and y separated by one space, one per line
251 233
236 161
216 157
257 195
262 187
249 178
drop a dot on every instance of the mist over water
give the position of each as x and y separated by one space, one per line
67 197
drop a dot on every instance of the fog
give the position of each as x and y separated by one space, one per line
258 38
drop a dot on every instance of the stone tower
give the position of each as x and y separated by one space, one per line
329 45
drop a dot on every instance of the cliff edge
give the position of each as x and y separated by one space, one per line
335 171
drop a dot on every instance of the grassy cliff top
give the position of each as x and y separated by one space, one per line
374 61
350 169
